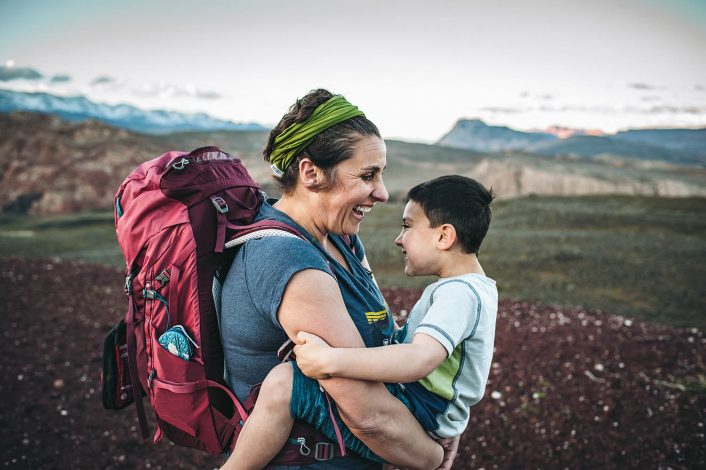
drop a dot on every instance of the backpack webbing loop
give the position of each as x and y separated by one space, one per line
154 295
221 210
173 293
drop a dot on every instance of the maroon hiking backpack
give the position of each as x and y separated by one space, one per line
173 217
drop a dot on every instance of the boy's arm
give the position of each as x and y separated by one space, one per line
400 363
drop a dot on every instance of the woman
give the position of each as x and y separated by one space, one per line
328 160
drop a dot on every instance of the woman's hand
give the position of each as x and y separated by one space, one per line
313 355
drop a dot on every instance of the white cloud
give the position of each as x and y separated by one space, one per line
60 78
102 80
169 90
9 72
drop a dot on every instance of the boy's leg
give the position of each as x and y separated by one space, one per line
267 428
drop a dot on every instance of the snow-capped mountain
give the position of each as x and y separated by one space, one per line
79 108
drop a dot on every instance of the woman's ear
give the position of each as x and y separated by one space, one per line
309 174
447 237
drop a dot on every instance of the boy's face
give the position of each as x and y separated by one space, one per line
418 242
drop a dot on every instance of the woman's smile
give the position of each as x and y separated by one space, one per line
360 211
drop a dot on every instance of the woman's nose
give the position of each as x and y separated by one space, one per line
380 191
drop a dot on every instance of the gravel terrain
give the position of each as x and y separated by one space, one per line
569 388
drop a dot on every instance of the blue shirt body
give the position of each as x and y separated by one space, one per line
252 293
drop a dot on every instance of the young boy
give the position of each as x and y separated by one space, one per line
442 364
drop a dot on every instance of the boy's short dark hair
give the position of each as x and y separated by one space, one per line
459 201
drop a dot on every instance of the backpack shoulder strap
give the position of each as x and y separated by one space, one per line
349 241
261 229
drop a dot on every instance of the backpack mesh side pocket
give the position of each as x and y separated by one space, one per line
115 377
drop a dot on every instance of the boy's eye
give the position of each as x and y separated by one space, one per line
405 226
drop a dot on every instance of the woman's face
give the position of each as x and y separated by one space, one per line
357 188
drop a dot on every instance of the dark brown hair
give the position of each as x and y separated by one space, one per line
459 201
328 149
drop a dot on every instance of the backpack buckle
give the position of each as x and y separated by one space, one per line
324 451
149 294
128 284
164 277
220 204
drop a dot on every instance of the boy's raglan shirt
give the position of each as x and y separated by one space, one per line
460 313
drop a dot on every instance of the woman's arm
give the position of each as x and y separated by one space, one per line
312 302
401 363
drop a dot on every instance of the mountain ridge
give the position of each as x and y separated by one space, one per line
125 116
681 146
474 134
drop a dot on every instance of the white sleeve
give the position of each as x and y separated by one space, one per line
453 315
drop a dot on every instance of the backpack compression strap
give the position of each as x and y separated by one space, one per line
132 358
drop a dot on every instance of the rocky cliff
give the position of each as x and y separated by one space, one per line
513 178
50 166
514 174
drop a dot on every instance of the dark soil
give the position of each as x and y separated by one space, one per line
568 388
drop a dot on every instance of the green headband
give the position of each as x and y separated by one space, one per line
298 136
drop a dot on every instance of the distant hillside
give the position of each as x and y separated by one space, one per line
687 140
513 174
50 166
587 146
682 146
79 108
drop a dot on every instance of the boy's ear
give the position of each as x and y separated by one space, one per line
447 237
309 173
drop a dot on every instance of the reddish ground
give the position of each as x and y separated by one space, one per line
568 388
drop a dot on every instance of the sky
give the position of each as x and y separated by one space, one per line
414 67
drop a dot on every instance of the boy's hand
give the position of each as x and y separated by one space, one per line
312 355
450 446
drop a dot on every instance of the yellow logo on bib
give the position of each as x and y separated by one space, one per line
375 316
